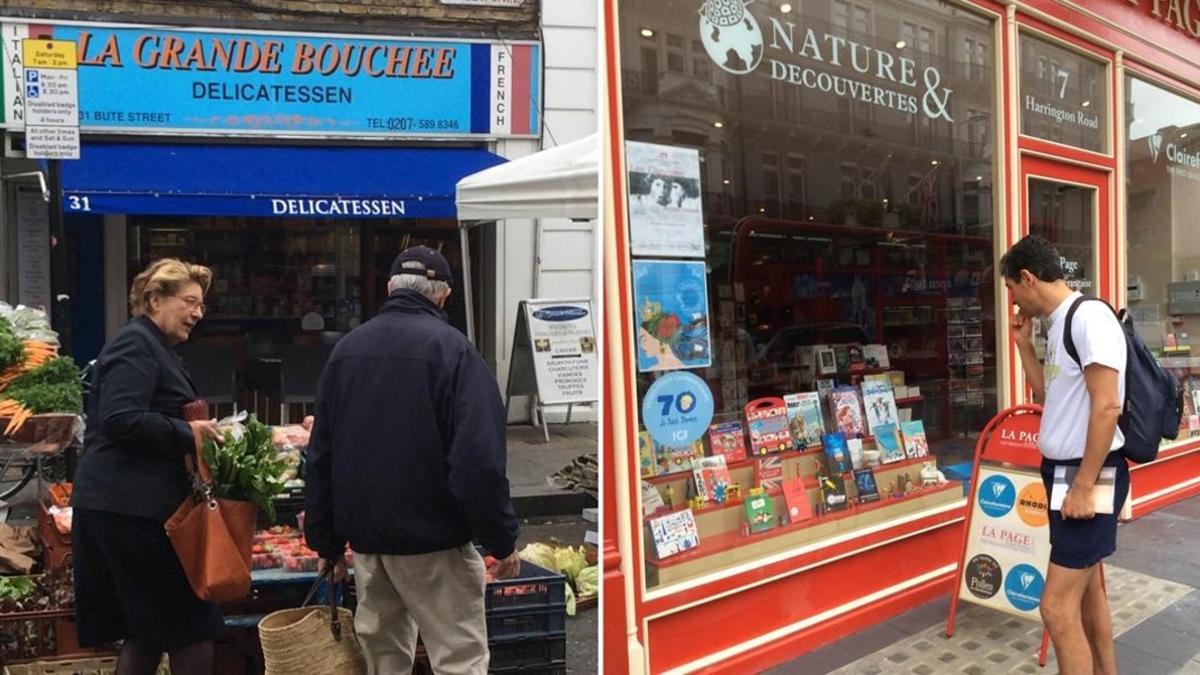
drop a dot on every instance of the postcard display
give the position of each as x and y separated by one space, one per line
782 472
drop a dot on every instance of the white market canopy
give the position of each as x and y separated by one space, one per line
560 182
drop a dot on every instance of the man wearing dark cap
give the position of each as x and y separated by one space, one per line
407 465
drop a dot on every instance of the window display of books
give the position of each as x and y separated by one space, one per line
965 354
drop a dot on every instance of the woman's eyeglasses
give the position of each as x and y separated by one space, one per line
193 304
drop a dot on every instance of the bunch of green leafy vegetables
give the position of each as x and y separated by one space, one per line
245 465
12 351
53 386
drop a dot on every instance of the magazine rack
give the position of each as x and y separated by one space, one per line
723 542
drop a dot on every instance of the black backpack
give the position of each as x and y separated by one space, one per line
1153 399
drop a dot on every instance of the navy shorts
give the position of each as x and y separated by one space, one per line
1079 544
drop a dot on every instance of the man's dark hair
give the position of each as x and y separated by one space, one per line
1035 254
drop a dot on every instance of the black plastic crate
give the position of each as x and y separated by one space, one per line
533 587
528 653
544 669
526 622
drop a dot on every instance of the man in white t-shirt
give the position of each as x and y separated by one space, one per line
1082 399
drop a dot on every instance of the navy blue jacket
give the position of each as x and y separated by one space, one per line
136 437
408 453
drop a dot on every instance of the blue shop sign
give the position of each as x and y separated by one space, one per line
182 81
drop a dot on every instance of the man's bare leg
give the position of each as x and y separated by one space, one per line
1062 612
1097 623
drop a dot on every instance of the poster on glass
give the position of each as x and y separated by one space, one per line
665 218
671 306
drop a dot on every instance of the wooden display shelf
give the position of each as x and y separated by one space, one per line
740 464
810 483
909 400
729 542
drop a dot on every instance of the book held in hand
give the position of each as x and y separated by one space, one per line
1104 496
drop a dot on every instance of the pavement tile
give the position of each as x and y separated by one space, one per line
1156 617
1133 660
1162 640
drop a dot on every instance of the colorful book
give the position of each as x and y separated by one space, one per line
824 390
767 421
795 496
712 478
837 452
760 513
887 439
915 443
727 439
677 460
646 455
652 499
768 473
674 533
847 412
856 452
805 419
833 492
896 377
876 356
868 490
880 404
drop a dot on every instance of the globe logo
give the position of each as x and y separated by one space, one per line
730 35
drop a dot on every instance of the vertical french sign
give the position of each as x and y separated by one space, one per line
513 89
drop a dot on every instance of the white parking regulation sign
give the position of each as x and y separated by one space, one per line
52 142
51 97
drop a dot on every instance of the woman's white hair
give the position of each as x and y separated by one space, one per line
430 288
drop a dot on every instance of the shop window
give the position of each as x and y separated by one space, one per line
1162 156
287 288
1063 95
852 17
849 181
851 248
675 62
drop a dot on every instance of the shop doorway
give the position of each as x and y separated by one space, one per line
1068 204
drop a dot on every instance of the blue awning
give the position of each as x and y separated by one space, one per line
284 181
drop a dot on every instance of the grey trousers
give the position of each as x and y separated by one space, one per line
439 595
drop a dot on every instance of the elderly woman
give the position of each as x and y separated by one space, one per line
129 582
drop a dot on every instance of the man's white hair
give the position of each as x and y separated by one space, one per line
430 288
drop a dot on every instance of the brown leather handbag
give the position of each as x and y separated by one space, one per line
213 538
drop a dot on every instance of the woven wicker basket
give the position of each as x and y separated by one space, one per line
299 641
